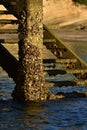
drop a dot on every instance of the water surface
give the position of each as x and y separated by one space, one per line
62 114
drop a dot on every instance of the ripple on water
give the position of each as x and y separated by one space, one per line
62 114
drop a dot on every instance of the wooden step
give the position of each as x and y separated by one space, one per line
8 62
9 41
82 82
55 72
68 83
76 71
5 12
68 71
8 21
49 61
8 31
59 61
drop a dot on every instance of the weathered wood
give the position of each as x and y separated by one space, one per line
8 31
6 12
54 72
68 83
76 71
11 41
63 61
8 62
11 6
61 52
8 21
64 71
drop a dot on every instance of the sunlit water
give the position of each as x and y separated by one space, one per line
62 114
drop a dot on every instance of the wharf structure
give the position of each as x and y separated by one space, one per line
31 70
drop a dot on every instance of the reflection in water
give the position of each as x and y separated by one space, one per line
62 114
69 114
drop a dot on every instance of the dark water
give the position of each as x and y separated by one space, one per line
62 114
70 114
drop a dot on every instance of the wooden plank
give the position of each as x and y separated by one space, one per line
9 41
8 31
63 61
55 72
8 21
49 61
59 61
60 42
76 71
5 12
68 71
82 82
8 62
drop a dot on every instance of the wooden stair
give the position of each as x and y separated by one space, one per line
10 5
3 31
68 71
5 12
10 41
70 64
8 21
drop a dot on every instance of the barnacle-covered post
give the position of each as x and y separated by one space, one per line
30 78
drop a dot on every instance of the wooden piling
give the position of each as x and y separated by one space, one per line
30 83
